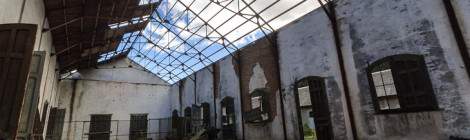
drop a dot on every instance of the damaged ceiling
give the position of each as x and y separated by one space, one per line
170 38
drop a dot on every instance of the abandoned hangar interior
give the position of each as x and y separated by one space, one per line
235 69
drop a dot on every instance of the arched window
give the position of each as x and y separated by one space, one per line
400 83
174 114
313 112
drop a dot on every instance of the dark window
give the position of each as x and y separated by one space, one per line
40 121
138 127
228 118
187 120
177 124
55 124
260 109
196 118
100 127
401 83
206 114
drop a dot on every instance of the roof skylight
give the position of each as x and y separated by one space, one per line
184 36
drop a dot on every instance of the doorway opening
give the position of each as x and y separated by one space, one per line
312 109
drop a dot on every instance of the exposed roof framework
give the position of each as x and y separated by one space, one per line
170 38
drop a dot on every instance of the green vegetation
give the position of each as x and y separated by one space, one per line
309 133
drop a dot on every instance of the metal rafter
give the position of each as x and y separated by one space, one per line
184 36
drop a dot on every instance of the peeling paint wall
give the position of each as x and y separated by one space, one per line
369 30
307 48
258 70
229 87
462 11
205 91
374 29
258 66
188 93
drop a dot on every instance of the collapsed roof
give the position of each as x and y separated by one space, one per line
170 38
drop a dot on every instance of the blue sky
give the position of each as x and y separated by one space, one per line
184 36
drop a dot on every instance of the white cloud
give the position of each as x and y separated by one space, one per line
216 16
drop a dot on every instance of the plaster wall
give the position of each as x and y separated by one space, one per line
188 94
94 93
374 29
229 86
124 70
462 11
258 70
307 48
205 91
175 99
369 30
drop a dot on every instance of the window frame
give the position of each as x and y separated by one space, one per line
135 123
96 120
228 130
206 114
421 66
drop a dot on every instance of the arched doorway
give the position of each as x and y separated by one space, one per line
312 109
228 119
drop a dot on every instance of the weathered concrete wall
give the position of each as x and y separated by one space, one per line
94 93
33 13
307 48
258 70
462 11
374 29
229 87
175 103
188 94
369 30
205 90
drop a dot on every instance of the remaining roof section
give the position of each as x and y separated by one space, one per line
81 30
173 39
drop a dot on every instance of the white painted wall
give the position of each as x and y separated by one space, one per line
119 71
121 92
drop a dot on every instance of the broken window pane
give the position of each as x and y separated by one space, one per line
393 102
383 104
